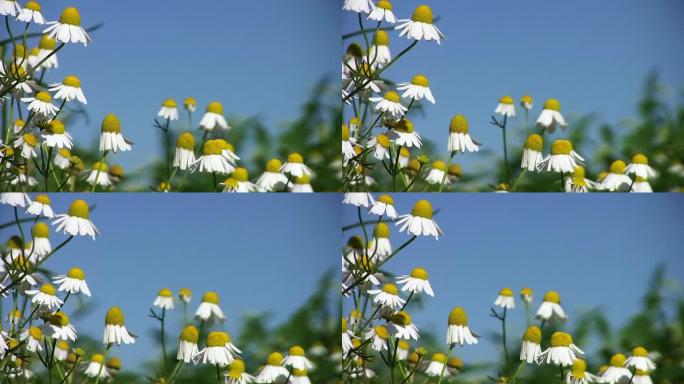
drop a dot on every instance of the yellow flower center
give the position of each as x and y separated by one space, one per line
36 333
383 140
455 362
115 316
211 297
71 16
561 339
422 208
459 124
29 139
215 107
295 158
20 51
48 289
237 366
391 289
169 103
56 127
618 360
439 357
273 166
381 332
579 173
403 344
533 334
404 125
296 351
217 339
345 132
41 230
114 363
65 153
579 368
640 352
458 316
275 358
299 372
455 170
526 99
33 6
420 81
381 38
640 158
354 50
392 96
116 170
47 43
423 14
97 358
241 174
165 292
189 101
63 345
72 81
15 242
76 273
387 199
402 319
552 104
506 100
186 141
384 4
212 147
552 297
618 167
419 273
43 96
345 327
190 334
561 147
185 292
43 199
404 152
100 166
381 231
534 142
506 292
231 183
59 319
111 123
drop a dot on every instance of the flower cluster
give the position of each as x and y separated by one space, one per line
382 145
37 152
379 336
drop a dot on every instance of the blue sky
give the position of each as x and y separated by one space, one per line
256 57
592 56
597 252
248 249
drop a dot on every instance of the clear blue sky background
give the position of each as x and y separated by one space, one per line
597 252
592 56
249 249
257 57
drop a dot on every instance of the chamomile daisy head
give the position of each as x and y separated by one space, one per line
68 29
358 199
295 166
9 8
436 367
33 336
417 89
550 116
358 6
384 205
383 10
505 299
168 110
41 104
15 199
420 222
31 12
190 104
420 26
296 358
96 367
213 117
562 351
69 89
506 107
41 246
387 297
59 327
403 326
616 179
61 350
379 335
164 299
115 328
98 174
640 360
459 136
209 309
389 105
437 173
41 206
527 102
640 168
616 372
187 347
380 145
185 294
563 158
45 297
526 294
458 331
416 282
72 282
111 138
273 370
531 344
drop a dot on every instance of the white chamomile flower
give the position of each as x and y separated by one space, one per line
531 345
577 182
389 105
59 327
301 185
384 205
532 152
379 53
69 89
62 158
420 222
61 350
190 104
296 358
380 245
381 145
550 117
213 118
459 136
383 10
359 6
115 328
41 206
417 89
640 360
41 240
437 173
27 144
31 13
241 181
187 347
46 47
41 104
640 167
527 102
76 222
96 367
212 159
45 297
184 156
347 144
15 199
236 373
68 29
563 158
387 297
379 336
578 374
404 327
111 138
209 309
169 110
550 307
295 166
273 370
641 185
416 282
33 338
404 157
12 8
56 137
526 295
420 26
164 299
358 199
272 177
98 174
458 331
616 179
73 282
347 335
405 135
505 299
616 371
506 107
436 367
642 377
185 295
403 350
562 350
